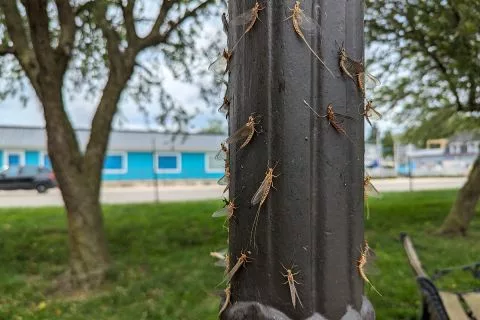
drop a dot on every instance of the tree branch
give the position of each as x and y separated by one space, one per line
5 49
66 16
155 37
40 36
17 33
130 23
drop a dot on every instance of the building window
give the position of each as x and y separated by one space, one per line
115 163
455 148
168 163
473 147
213 165
14 158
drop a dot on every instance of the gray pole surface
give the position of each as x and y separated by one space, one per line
313 220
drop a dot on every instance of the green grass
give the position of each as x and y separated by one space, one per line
163 269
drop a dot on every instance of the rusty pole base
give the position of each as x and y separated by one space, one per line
258 311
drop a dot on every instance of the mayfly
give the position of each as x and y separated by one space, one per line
260 196
227 300
222 154
244 258
369 190
225 180
303 23
222 64
225 23
226 211
355 70
369 112
291 283
332 119
246 132
225 107
247 18
365 254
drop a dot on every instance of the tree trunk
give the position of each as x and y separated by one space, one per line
463 210
89 258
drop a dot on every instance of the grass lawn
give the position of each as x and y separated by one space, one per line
163 269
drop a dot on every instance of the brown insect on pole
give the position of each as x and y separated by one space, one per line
312 218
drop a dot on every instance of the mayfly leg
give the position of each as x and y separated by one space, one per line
291 284
247 18
301 22
259 198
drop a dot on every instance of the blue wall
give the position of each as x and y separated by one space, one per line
141 167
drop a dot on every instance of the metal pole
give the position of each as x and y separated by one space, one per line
313 219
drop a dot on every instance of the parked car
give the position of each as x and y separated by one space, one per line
27 178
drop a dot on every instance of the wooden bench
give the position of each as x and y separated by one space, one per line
440 305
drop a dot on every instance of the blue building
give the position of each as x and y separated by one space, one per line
131 155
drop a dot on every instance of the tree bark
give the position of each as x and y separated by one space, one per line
463 209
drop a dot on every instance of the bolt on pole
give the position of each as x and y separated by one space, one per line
310 221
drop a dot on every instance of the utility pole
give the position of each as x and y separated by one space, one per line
312 220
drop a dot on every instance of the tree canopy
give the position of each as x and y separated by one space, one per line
427 54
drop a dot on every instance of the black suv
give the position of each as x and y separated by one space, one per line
27 177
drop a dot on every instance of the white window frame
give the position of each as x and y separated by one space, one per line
124 168
41 160
207 164
178 155
7 153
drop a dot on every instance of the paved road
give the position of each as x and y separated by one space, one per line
138 194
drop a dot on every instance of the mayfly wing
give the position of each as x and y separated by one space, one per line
371 82
220 263
224 180
298 297
219 66
220 213
242 133
373 114
242 19
308 25
257 197
293 291
221 155
371 190
370 266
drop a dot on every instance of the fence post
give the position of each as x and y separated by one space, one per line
313 219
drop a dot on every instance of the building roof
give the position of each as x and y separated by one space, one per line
426 152
34 138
